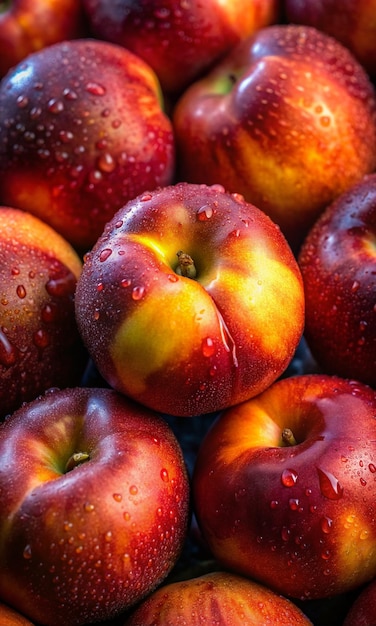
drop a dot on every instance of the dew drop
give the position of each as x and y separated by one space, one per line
326 525
325 555
207 347
41 338
8 352
289 477
126 516
146 197
21 291
364 534
294 504
133 490
108 536
88 507
125 282
106 163
363 482
164 475
173 278
117 497
205 213
285 533
274 504
330 487
95 89
138 292
27 552
63 286
372 468
55 106
105 254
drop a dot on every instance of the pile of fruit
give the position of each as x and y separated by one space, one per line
187 313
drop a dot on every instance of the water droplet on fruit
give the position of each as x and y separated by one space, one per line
164 475
325 555
125 282
133 490
363 482
146 197
63 286
330 487
55 106
355 286
126 516
106 163
105 254
88 507
8 352
294 504
326 525
364 534
372 468
205 213
289 477
27 552
207 347
21 291
108 536
22 101
95 89
138 292
274 504
117 497
173 278
285 533
41 338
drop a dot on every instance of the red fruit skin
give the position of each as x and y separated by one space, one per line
287 119
30 25
354 25
188 346
298 518
82 131
40 346
219 598
180 41
338 265
363 610
84 544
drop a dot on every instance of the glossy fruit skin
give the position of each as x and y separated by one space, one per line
29 25
40 346
301 518
180 41
85 544
76 141
188 346
265 123
338 264
219 598
363 610
355 28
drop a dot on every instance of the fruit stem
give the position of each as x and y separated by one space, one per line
186 266
76 459
288 438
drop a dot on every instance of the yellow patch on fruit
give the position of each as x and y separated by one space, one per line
356 544
161 333
272 296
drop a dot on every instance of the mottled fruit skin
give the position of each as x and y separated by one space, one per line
363 610
29 25
82 131
179 40
40 346
287 119
353 24
182 345
219 598
299 518
338 264
10 617
81 542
